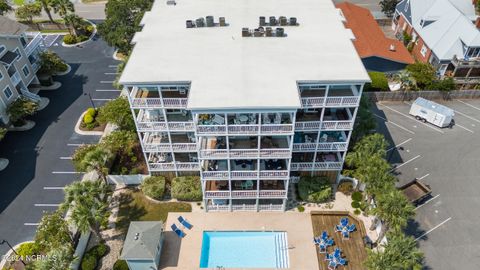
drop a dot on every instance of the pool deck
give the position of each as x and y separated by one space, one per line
185 253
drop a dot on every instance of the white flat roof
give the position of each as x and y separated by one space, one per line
229 71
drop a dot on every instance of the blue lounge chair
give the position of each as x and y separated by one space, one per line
185 223
332 264
324 235
351 228
344 221
179 232
328 257
346 234
342 261
316 240
337 253
322 248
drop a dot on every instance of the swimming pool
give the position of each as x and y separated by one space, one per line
249 249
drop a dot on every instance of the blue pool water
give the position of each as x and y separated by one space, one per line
233 249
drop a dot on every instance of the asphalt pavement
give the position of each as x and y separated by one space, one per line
40 164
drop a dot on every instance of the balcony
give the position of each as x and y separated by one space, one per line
150 98
337 95
35 39
15 78
317 166
162 166
173 166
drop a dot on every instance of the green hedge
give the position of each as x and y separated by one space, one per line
187 188
379 82
120 265
154 187
314 189
92 256
357 196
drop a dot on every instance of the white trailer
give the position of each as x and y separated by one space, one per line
432 112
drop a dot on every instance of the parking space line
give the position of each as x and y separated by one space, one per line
468 104
423 176
467 116
57 172
47 205
53 188
108 90
111 73
65 157
406 162
460 126
112 66
31 224
408 117
75 144
402 143
434 228
395 124
106 81
427 201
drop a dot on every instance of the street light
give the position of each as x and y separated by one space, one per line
91 101
11 248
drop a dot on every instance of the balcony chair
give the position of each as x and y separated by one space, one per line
218 120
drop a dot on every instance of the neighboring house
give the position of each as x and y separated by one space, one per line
444 33
143 245
19 62
247 110
378 52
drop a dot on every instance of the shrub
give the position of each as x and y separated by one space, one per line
89 261
87 119
346 187
357 196
187 188
120 265
100 250
153 187
89 29
70 39
80 154
51 63
410 47
314 189
379 82
357 212
422 73
27 249
82 38
406 38
355 204
92 112
20 109
301 208
118 112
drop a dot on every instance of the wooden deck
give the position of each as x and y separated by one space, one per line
353 249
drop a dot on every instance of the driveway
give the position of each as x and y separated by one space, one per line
39 158
446 225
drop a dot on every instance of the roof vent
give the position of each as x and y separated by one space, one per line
293 21
262 21
200 22
171 3
283 20
245 32
279 32
272 21
222 21
210 21
190 24
392 47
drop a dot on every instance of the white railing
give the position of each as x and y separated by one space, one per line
273 193
211 129
187 166
159 147
213 153
328 165
214 175
184 147
32 96
304 146
217 207
243 129
243 153
273 174
272 129
34 43
309 125
317 166
244 174
146 102
36 66
244 193
244 207
332 146
217 194
270 207
16 78
151 126
175 102
162 166
313 102
181 126
275 153
337 125
342 101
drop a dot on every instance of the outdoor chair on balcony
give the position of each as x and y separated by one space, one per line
218 120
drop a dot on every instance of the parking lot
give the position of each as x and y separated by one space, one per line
446 225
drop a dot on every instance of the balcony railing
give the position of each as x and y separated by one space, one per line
162 166
304 147
181 126
244 129
213 153
162 126
275 153
214 175
159 147
244 174
326 125
317 166
217 194
310 102
244 207
171 166
329 146
246 194
275 129
272 193
184 147
211 129
187 166
34 43
273 174
217 207
270 207
245 153
16 78
157 102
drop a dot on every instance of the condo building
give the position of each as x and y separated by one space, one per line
19 63
247 94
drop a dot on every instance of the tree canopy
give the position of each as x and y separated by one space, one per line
5 7
423 74
388 7
118 112
52 232
26 12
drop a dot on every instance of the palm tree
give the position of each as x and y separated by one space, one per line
87 203
394 210
401 252
73 22
62 7
5 7
57 259
47 7
96 160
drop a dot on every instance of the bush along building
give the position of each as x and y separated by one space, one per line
444 33
19 62
249 97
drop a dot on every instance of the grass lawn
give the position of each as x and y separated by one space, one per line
135 207
18 2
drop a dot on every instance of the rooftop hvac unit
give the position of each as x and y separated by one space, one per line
293 21
279 32
245 32
283 20
272 21
210 22
268 32
258 32
171 3
190 24
262 21
200 22
222 21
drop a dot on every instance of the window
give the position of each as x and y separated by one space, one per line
414 36
8 93
423 51
23 40
25 70
2 49
1 76
17 51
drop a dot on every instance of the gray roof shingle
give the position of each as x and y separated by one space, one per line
11 27
142 240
